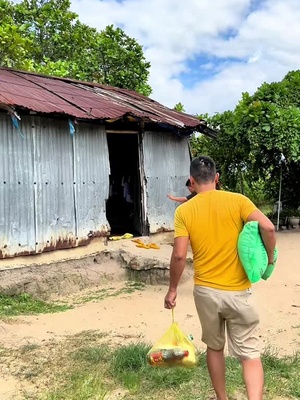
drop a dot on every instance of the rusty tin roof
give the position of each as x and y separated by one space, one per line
86 100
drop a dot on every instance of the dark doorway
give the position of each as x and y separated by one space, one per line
123 207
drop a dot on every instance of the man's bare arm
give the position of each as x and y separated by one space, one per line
177 266
267 231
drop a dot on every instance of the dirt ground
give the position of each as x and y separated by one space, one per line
140 315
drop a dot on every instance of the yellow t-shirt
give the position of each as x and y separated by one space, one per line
213 221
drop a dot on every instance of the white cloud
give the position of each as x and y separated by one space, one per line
265 44
256 56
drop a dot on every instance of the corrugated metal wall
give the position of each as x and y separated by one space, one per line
92 171
166 168
52 186
17 228
53 182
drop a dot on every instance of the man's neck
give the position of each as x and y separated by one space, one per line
205 187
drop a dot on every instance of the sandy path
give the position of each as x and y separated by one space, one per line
141 314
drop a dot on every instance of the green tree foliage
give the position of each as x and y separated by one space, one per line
14 45
49 38
179 107
258 139
122 61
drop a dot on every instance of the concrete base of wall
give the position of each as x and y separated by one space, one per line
49 277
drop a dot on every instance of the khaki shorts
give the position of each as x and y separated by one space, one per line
237 312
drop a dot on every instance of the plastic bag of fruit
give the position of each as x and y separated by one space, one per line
173 349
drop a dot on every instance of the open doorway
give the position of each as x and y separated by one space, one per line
123 207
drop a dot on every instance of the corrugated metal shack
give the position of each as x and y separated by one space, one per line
80 160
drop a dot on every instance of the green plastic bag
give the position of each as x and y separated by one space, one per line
253 254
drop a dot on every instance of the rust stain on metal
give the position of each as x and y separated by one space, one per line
4 255
84 241
83 100
60 244
97 234
163 229
24 253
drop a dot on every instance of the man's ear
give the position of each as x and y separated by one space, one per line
192 180
217 177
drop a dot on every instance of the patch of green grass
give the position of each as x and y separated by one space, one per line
129 367
92 354
92 368
100 294
80 386
85 372
29 374
281 374
27 348
87 336
25 304
129 358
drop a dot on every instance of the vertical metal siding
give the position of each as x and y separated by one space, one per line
17 230
92 171
166 167
53 187
53 176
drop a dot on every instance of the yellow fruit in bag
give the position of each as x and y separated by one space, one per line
173 349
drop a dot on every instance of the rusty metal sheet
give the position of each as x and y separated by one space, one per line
85 100
16 90
82 96
166 168
91 169
17 227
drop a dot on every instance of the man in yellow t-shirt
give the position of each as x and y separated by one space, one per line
212 222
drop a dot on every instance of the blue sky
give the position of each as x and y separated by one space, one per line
205 53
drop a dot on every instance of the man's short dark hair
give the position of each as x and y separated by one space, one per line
188 183
203 169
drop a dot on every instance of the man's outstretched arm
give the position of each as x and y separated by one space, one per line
178 199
